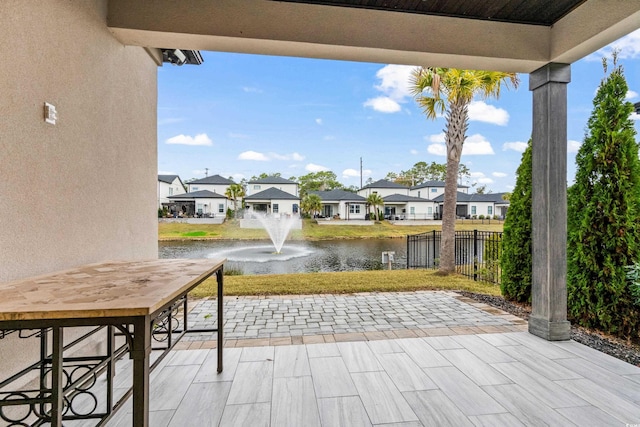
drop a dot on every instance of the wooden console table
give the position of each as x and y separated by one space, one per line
136 300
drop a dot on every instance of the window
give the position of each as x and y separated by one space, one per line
221 208
412 210
430 211
275 208
256 187
171 191
194 188
490 210
295 208
354 209
434 190
418 193
473 210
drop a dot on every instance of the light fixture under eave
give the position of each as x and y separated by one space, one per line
181 56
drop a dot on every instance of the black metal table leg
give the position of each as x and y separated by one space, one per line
220 279
140 354
57 371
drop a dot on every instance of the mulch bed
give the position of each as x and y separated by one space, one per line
608 344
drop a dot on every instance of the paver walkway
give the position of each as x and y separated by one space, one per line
251 321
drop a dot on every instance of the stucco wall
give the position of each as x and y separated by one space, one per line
83 190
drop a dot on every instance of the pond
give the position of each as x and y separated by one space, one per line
259 257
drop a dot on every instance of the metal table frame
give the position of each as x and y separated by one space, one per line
51 404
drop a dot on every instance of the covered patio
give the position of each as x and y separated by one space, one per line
97 63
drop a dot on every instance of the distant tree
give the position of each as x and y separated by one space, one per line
264 175
463 172
369 181
450 91
311 204
482 189
375 201
515 261
234 192
351 188
318 181
506 196
604 215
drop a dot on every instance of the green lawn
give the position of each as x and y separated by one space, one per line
343 283
230 230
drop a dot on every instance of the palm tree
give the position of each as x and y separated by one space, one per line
449 91
235 191
311 204
376 201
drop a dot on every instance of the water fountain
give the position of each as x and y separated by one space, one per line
278 228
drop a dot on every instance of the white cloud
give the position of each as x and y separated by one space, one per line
253 155
352 173
329 138
200 139
573 146
476 175
266 157
628 47
631 94
394 85
311 167
477 144
499 174
319 121
634 116
474 145
414 152
436 138
395 81
484 181
249 89
518 146
383 104
166 173
510 187
479 111
237 177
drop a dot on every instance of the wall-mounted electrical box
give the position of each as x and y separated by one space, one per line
50 113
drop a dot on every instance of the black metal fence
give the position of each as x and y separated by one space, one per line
477 253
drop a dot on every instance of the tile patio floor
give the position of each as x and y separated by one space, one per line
448 376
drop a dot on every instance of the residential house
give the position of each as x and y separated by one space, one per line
169 185
474 205
400 206
214 183
399 203
432 189
273 201
201 203
342 203
259 185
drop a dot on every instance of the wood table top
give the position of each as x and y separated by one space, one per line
109 289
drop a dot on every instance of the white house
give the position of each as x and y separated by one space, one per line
345 204
259 185
383 188
200 203
214 183
432 189
399 206
273 201
474 205
169 185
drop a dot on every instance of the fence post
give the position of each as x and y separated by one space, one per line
433 263
475 255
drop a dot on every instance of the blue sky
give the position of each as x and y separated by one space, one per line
241 115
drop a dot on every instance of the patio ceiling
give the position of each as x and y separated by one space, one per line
515 35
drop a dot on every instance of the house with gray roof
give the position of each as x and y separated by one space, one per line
286 185
272 201
341 203
433 189
201 203
169 185
215 183
474 205
383 188
401 207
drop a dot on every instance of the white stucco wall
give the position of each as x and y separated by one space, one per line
482 208
83 190
164 191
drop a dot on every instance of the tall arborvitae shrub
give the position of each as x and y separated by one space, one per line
604 215
515 261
